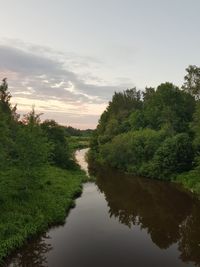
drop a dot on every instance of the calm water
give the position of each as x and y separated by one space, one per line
121 221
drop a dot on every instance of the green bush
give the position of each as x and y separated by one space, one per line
174 156
130 150
56 134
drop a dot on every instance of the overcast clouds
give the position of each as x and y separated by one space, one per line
67 57
37 79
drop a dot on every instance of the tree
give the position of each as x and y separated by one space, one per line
195 127
192 81
129 151
148 93
32 146
8 124
6 142
114 119
61 155
5 97
168 107
175 155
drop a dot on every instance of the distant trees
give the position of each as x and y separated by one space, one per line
71 131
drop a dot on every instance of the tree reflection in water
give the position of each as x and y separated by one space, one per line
169 214
34 252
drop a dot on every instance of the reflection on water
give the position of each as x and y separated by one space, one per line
34 254
168 214
121 221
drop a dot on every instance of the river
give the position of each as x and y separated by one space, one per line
121 221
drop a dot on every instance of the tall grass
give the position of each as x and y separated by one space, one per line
29 208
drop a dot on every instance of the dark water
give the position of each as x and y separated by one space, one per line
121 221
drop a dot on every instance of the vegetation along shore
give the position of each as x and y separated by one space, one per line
153 133
38 175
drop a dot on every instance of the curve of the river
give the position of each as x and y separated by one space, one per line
121 221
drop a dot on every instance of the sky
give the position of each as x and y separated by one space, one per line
67 57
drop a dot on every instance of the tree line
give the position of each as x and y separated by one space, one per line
29 144
153 133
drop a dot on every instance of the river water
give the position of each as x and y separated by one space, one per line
121 221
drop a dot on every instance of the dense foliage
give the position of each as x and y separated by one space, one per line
60 151
34 191
29 143
154 133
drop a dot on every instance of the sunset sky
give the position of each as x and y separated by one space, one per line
67 57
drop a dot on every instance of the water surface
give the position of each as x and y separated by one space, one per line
121 221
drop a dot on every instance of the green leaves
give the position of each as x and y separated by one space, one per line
168 106
192 81
175 155
61 154
130 150
156 135
32 148
5 96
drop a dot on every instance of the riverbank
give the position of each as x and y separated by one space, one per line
190 181
125 218
27 211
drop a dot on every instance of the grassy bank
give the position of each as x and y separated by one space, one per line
190 181
28 209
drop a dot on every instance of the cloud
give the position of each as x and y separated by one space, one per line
42 76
